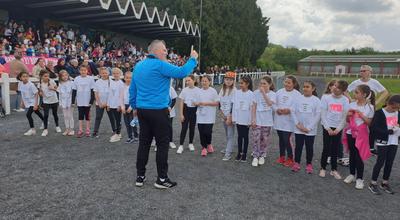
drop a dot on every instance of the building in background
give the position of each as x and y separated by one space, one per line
381 64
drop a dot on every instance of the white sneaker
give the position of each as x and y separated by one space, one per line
41 126
322 173
120 136
359 184
20 110
45 133
71 133
153 143
261 161
349 179
191 147
255 162
30 132
180 150
336 175
172 145
58 129
114 138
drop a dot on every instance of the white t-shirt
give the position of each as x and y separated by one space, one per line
206 114
391 121
307 111
65 91
28 92
336 109
368 110
49 96
264 112
126 94
115 97
242 103
102 88
226 102
189 96
83 87
373 84
172 95
285 99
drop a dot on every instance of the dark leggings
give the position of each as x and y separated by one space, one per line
330 148
171 139
115 119
189 122
54 109
128 117
284 144
356 163
29 116
302 140
84 113
205 133
99 117
243 138
386 155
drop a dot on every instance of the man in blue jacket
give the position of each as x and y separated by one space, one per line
149 96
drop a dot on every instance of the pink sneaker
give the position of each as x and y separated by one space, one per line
210 149
87 133
309 169
204 152
296 167
80 134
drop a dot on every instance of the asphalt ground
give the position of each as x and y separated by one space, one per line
59 177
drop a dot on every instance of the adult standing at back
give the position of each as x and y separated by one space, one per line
17 67
149 96
379 90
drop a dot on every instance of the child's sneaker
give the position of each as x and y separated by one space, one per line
374 189
244 158
45 133
281 160
289 162
210 149
87 133
255 162
261 161
359 184
80 134
129 141
322 173
65 133
114 138
191 147
204 152
227 157
140 181
180 150
95 135
172 145
309 169
238 157
58 129
30 132
349 179
166 184
223 151
385 187
296 167
336 174
71 133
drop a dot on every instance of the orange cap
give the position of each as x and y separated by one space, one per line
230 74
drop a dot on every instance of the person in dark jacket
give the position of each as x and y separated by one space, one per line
386 132
73 68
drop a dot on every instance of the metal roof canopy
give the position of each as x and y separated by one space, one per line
353 58
122 16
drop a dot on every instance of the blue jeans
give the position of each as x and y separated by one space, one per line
18 100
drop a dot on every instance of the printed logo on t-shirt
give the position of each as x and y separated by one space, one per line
392 121
305 108
336 107
224 106
284 100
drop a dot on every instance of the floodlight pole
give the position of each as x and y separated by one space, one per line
201 17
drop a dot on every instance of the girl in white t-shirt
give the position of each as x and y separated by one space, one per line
206 111
114 103
65 91
48 91
226 95
83 87
188 96
30 96
241 115
172 114
306 114
334 109
283 122
127 111
262 119
101 92
361 111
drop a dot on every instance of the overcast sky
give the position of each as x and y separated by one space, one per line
334 24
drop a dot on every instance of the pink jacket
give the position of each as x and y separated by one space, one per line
361 134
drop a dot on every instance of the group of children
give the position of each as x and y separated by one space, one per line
294 115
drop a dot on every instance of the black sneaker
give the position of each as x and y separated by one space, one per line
95 135
129 141
238 157
385 187
244 158
374 189
140 180
167 183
